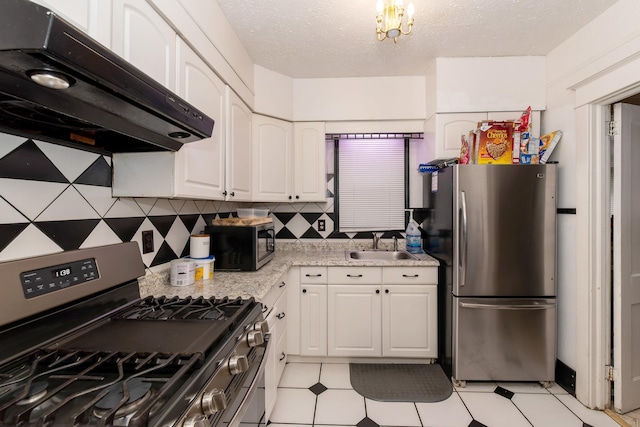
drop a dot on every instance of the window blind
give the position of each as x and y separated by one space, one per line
371 185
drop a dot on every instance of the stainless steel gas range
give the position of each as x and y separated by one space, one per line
79 347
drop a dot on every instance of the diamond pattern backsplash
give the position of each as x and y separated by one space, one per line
54 198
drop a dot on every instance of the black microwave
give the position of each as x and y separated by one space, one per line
241 247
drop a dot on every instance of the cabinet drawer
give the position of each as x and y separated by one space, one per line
354 275
313 274
280 355
281 312
276 291
410 275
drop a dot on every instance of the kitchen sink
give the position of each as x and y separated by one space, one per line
378 255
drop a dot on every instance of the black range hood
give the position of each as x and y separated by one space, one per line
109 105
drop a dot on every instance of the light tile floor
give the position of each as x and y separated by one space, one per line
314 394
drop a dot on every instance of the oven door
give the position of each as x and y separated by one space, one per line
266 245
249 408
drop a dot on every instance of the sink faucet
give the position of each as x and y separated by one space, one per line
395 243
376 240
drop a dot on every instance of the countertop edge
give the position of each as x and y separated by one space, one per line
257 284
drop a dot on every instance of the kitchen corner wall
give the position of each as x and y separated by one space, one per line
54 198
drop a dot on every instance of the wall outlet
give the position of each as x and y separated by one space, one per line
147 241
321 225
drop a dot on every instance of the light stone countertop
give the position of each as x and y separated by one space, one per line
258 283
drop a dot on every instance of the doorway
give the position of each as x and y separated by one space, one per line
625 255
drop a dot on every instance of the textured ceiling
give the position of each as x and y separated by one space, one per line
336 38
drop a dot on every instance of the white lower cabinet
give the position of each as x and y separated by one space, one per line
354 320
410 312
276 308
409 326
313 311
387 312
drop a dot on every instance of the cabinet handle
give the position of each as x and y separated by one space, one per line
282 285
281 315
233 193
304 291
377 291
313 275
283 356
290 197
386 291
264 309
410 275
224 193
354 275
297 197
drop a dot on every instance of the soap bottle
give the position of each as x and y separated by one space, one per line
414 238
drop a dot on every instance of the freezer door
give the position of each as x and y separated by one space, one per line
504 339
505 234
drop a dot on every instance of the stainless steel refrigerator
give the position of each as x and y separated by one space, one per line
493 227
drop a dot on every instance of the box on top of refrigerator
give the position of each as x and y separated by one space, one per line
495 142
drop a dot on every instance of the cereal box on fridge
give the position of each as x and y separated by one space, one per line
495 142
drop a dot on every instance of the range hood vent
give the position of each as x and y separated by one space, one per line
91 98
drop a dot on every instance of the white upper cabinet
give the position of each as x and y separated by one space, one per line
142 37
289 161
272 159
309 163
197 170
238 147
443 131
90 16
200 165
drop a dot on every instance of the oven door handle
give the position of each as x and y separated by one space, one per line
248 397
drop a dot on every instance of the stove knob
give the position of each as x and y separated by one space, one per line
213 401
262 326
255 338
238 364
196 421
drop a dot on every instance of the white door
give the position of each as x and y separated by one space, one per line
200 165
626 259
272 163
238 149
409 321
354 320
313 320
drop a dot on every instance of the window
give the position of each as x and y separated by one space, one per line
370 182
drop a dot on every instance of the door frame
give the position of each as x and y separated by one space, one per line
593 95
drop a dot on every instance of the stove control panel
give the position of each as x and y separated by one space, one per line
58 277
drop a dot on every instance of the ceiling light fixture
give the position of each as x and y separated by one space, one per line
389 19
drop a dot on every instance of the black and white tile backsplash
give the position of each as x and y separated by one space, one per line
54 198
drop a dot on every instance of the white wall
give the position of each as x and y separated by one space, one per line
359 98
598 64
273 94
490 84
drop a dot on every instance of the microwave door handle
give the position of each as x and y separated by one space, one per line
462 268
271 242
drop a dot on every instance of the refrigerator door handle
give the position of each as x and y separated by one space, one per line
507 306
463 238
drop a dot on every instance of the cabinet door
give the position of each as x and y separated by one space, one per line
292 289
238 148
272 159
200 165
91 16
409 321
354 320
449 129
313 320
276 357
142 37
310 180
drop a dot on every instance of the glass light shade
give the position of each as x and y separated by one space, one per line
393 33
410 9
